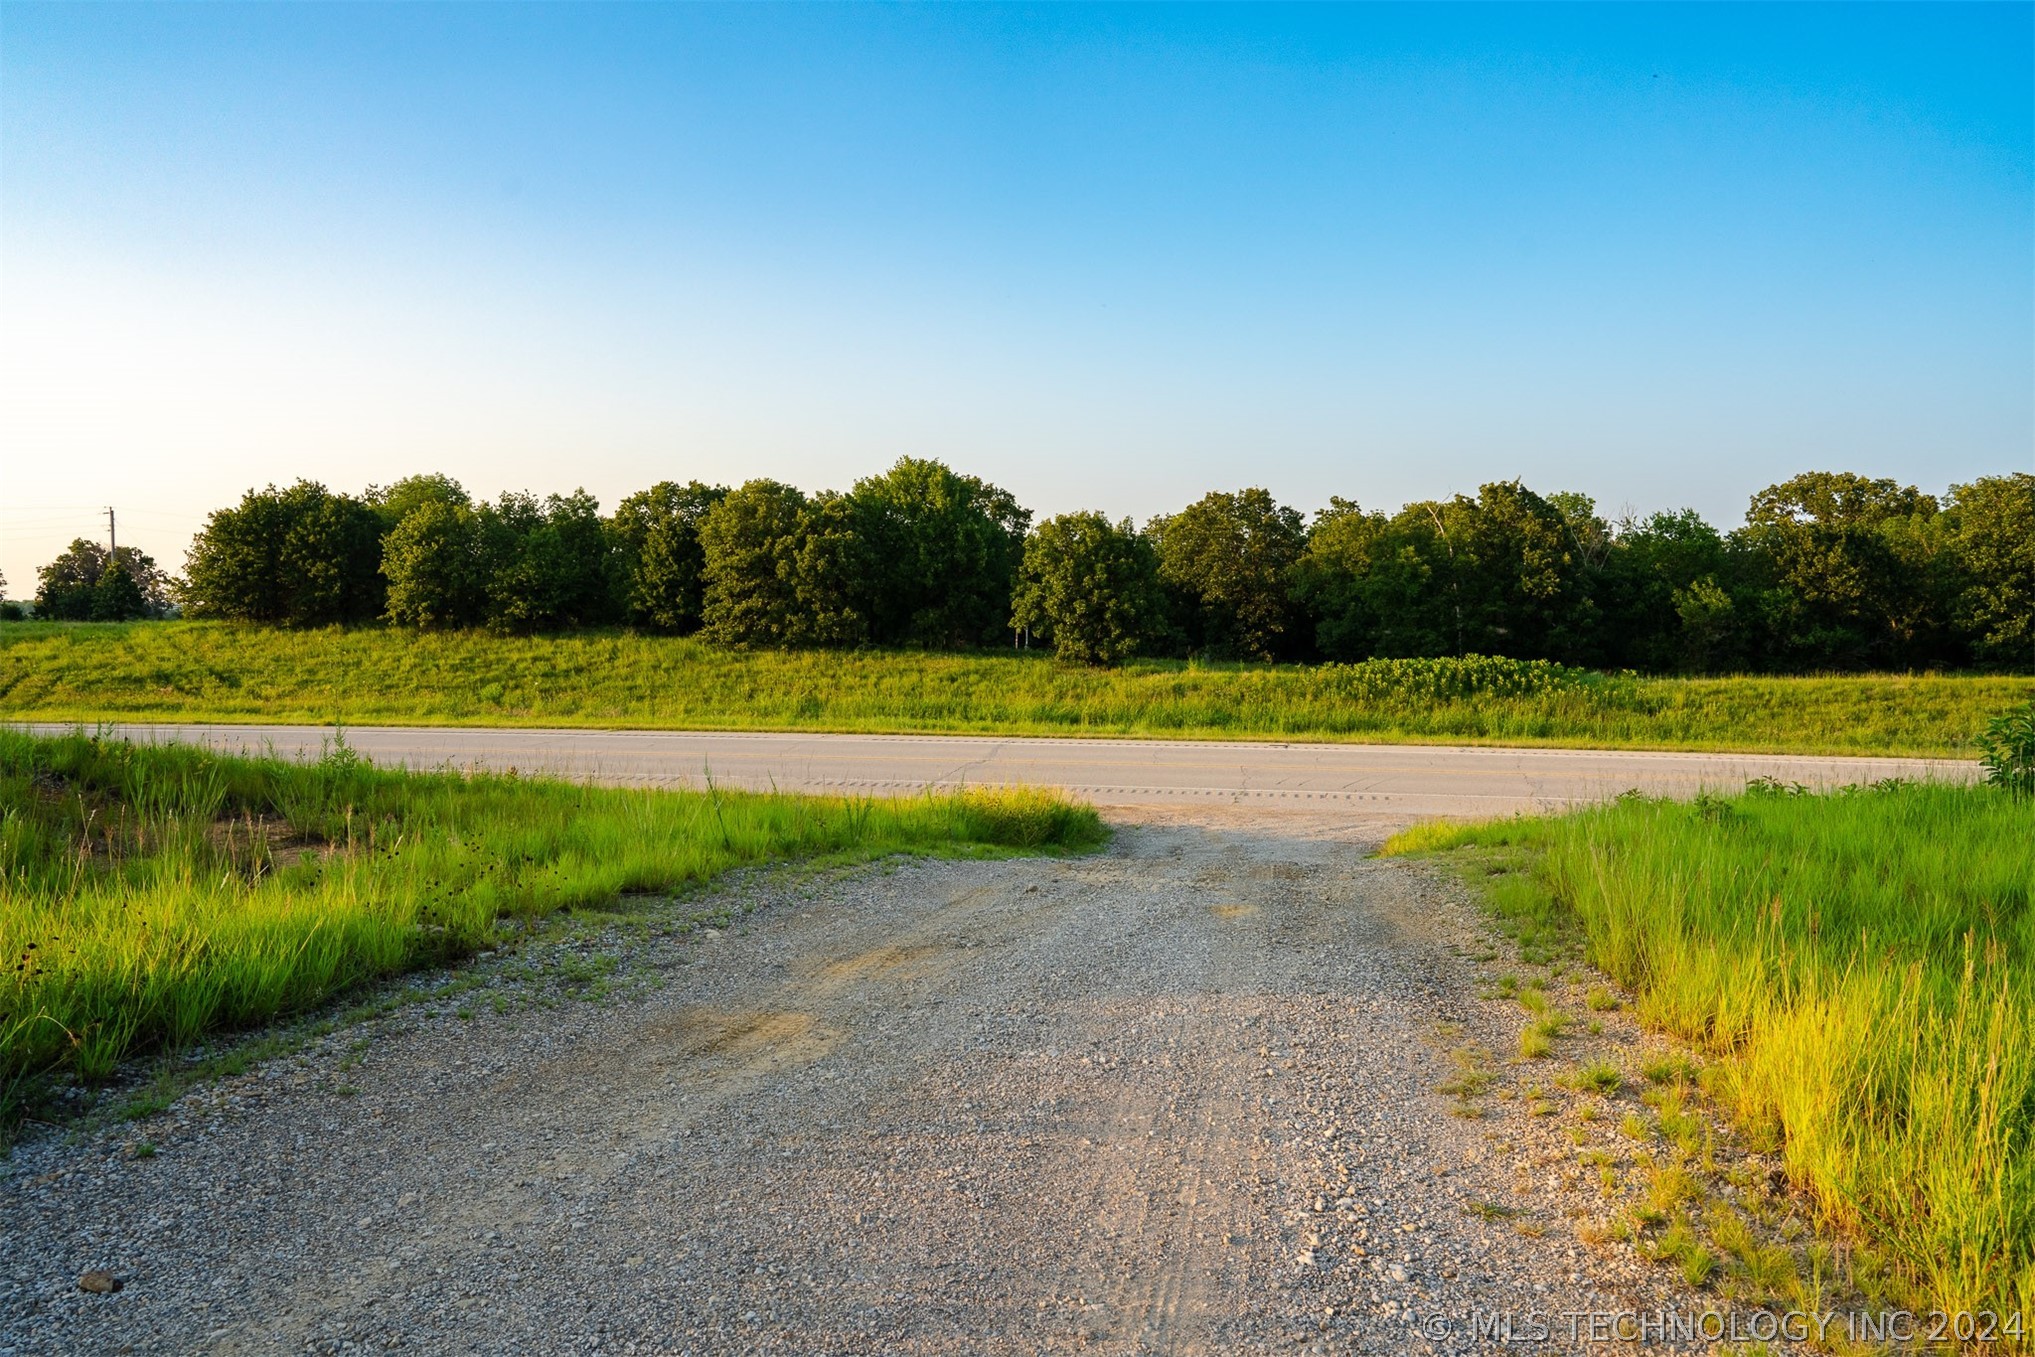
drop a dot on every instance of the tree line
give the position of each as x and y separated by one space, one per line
1829 571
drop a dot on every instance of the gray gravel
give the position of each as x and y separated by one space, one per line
1178 1097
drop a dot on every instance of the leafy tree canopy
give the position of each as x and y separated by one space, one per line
660 561
395 502
1505 573
942 552
1671 591
548 563
1830 570
67 589
782 569
297 557
1991 530
117 596
1091 587
1855 567
1836 499
437 574
1226 558
518 565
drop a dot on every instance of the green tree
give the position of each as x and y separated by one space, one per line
831 575
1529 586
781 569
1349 561
64 587
1090 587
547 563
116 597
437 575
1668 593
660 563
1506 573
1856 570
1991 536
942 550
297 557
1226 559
67 589
395 502
517 565
1413 591
749 545
1709 618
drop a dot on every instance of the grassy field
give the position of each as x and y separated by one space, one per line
182 671
1860 968
150 895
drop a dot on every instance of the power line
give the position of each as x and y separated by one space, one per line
56 513
43 522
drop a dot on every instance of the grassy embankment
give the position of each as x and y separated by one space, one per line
214 672
150 895
1860 969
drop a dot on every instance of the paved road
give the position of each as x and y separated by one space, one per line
1373 780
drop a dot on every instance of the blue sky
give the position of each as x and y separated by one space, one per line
1106 257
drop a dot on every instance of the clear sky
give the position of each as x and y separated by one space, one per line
1105 257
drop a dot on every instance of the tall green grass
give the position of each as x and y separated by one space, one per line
152 894
219 672
1862 965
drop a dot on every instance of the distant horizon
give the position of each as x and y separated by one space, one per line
1107 257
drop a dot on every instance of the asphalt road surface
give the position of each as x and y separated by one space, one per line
1370 780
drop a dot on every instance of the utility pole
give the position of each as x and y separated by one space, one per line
112 540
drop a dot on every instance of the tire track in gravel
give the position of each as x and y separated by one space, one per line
1162 1208
1177 1098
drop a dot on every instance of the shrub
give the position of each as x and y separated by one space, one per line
2007 749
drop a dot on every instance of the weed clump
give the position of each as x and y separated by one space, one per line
2007 750
1598 1076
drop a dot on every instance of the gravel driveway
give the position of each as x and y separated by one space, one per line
1178 1097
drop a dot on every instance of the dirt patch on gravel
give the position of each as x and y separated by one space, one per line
1182 1097
901 963
780 1038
